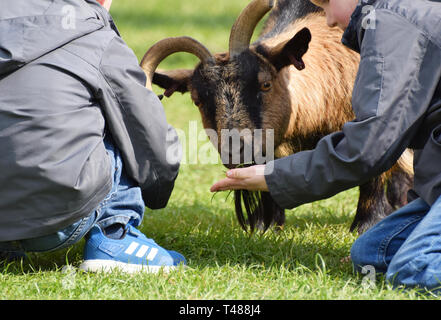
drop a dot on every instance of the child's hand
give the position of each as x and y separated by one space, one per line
251 178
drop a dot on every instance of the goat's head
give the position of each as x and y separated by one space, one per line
235 90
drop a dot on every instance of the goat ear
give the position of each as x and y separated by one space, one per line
289 52
174 80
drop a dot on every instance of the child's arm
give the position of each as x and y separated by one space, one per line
399 72
136 119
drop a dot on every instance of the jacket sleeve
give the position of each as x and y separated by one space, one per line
393 89
136 119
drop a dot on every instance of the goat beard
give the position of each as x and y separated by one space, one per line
257 209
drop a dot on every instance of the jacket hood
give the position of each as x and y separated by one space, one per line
31 28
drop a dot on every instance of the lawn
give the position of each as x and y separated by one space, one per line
300 262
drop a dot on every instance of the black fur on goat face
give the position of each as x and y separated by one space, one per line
229 93
231 97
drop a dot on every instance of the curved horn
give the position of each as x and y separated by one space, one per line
166 47
244 26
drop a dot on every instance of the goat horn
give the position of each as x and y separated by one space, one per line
245 25
166 47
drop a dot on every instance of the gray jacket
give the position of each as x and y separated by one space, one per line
397 103
67 79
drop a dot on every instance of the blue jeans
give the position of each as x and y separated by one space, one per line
124 204
405 246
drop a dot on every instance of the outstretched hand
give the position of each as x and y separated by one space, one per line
250 178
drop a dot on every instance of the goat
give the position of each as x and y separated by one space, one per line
266 86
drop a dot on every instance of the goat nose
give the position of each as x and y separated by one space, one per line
234 152
236 145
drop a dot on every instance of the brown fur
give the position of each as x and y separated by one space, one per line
320 94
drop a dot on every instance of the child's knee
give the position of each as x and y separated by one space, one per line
422 271
365 252
359 255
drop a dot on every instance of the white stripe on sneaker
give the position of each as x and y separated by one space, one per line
132 248
141 252
152 254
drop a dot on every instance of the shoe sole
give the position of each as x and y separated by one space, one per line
110 266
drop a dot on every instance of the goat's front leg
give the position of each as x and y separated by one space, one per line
398 186
373 205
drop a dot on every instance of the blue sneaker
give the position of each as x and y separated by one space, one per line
177 258
134 252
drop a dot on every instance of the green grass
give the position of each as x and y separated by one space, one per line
300 262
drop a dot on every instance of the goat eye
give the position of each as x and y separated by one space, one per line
198 103
266 86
